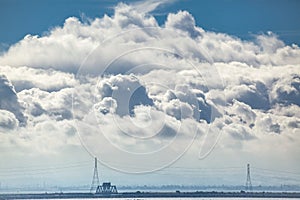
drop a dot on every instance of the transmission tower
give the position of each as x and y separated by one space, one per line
248 181
95 181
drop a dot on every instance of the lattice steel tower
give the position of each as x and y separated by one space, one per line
248 181
95 181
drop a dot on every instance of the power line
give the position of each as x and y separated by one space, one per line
42 166
276 171
19 170
258 173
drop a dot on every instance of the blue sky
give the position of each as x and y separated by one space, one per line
240 18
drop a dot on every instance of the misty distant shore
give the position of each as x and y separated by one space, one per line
139 194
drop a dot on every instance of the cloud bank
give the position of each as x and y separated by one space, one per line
143 87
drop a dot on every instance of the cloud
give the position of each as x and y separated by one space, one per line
149 5
178 109
43 136
239 132
64 48
269 43
7 120
57 104
254 94
287 90
241 113
185 22
48 80
127 92
146 88
57 50
107 105
9 100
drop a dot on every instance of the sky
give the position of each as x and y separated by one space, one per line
242 19
161 92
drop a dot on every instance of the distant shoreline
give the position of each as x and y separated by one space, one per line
177 194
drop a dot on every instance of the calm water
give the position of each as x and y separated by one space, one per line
208 198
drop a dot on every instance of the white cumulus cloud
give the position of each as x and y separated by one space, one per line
146 88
